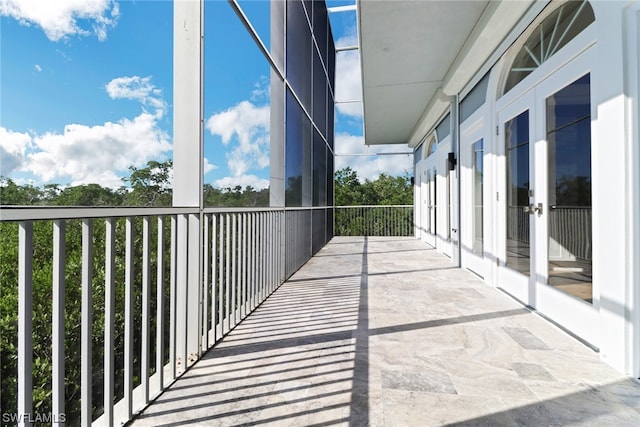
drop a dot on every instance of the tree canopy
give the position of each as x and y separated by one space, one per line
148 186
386 190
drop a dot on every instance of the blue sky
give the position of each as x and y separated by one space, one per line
86 92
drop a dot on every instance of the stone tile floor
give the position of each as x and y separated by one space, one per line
386 332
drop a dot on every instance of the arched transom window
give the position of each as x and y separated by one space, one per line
431 145
554 32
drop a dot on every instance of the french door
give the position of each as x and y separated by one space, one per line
546 234
430 203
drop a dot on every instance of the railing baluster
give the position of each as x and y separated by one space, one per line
244 266
182 277
214 264
221 278
160 266
128 319
58 327
25 326
146 279
267 254
234 270
241 265
227 282
205 283
86 322
272 250
252 253
109 319
172 298
263 252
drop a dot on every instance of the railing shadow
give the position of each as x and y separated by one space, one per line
296 373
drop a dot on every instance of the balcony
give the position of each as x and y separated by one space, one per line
368 331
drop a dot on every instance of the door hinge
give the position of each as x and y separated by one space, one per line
497 196
497 130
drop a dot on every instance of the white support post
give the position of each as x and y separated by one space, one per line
188 160
86 370
187 103
58 327
25 323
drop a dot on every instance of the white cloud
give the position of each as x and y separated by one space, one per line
137 89
371 166
208 167
13 146
242 181
59 19
349 39
38 68
99 154
93 154
245 128
261 89
348 83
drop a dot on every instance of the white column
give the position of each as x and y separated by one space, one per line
187 103
188 162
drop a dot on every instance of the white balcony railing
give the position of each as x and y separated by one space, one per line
134 296
139 321
569 229
378 220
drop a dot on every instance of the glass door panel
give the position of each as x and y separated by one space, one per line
478 198
518 255
429 203
568 129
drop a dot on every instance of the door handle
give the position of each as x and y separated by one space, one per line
532 209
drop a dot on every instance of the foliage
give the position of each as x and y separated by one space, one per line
374 220
386 190
147 186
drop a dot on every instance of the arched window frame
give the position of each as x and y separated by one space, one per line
549 24
431 145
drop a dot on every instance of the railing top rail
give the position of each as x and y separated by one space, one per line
214 210
38 213
31 213
373 206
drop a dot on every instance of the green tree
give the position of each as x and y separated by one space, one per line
347 188
385 190
150 185
390 190
14 194
84 195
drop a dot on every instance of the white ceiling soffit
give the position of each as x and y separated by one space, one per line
410 49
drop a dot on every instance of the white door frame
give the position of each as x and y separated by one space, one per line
472 131
576 315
